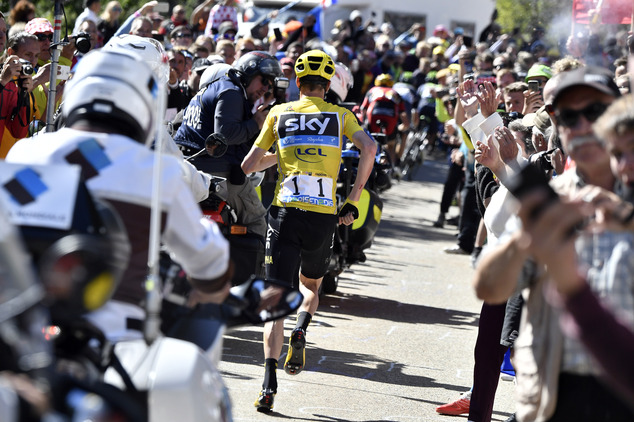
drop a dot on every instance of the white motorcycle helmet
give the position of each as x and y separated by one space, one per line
150 50
342 81
113 86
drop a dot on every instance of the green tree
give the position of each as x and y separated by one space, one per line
523 15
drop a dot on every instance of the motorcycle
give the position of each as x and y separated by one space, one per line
64 272
350 241
246 249
172 378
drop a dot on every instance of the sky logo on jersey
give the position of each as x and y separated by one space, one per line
90 155
25 186
308 129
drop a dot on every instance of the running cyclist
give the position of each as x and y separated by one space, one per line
308 135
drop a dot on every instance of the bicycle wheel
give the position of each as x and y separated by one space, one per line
416 154
406 158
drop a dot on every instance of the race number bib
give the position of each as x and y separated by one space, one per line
315 190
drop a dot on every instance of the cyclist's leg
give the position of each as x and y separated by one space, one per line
391 148
316 251
282 258
402 139
281 261
317 241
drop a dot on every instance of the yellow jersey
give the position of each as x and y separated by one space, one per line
308 135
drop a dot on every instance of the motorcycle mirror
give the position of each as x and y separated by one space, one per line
35 126
260 301
216 145
254 302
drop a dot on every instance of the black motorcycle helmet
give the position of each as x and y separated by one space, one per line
257 63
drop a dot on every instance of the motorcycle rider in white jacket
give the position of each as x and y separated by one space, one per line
110 112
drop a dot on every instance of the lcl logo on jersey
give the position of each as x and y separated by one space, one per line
309 129
309 154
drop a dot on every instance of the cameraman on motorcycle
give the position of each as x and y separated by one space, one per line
110 109
225 106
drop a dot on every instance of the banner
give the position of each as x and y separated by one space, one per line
616 12
608 11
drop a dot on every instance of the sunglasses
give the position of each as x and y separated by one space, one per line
570 118
42 37
117 9
226 36
267 83
183 35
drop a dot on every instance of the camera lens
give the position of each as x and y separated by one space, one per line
27 67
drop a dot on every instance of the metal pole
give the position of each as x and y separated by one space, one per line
151 330
52 88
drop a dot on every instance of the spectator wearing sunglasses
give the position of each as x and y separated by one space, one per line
207 42
91 8
182 36
226 31
553 368
109 20
43 30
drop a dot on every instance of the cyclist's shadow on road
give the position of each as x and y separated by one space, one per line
245 345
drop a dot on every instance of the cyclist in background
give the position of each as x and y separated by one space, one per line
381 110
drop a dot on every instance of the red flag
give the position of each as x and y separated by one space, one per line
610 11
616 11
581 9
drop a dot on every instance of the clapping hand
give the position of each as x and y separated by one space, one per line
467 94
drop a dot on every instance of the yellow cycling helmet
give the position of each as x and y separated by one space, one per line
384 79
315 63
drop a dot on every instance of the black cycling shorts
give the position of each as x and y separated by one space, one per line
295 236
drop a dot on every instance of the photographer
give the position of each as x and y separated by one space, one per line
43 30
17 106
225 106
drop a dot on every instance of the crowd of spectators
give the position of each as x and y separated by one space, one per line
425 59
488 99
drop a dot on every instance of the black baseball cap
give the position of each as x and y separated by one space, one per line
200 64
595 77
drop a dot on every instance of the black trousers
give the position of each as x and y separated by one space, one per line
469 214
488 355
455 175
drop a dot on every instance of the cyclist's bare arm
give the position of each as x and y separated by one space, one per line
258 159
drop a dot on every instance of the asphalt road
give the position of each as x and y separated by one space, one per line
395 340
